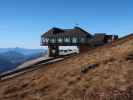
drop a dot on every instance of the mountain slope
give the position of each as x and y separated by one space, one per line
14 57
5 64
111 79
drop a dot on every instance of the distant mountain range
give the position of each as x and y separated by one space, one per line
10 58
5 64
22 50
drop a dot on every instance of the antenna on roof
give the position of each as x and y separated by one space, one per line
76 24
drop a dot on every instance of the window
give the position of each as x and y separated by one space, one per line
53 40
46 40
53 51
67 40
60 40
82 40
74 40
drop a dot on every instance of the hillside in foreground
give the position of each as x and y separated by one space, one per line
111 79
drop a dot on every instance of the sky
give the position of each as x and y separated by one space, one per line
22 22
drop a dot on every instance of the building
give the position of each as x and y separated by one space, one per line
56 37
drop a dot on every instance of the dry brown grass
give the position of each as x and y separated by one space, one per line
111 80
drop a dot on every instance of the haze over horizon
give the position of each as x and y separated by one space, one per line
23 21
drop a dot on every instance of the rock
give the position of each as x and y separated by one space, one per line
86 68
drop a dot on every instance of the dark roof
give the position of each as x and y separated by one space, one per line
58 32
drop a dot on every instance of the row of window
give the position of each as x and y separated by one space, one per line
64 40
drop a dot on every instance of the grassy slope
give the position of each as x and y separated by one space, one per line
111 80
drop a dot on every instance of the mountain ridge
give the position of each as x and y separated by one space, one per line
11 58
24 51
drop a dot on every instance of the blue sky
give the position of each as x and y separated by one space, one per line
23 21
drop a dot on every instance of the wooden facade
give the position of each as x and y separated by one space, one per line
65 37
